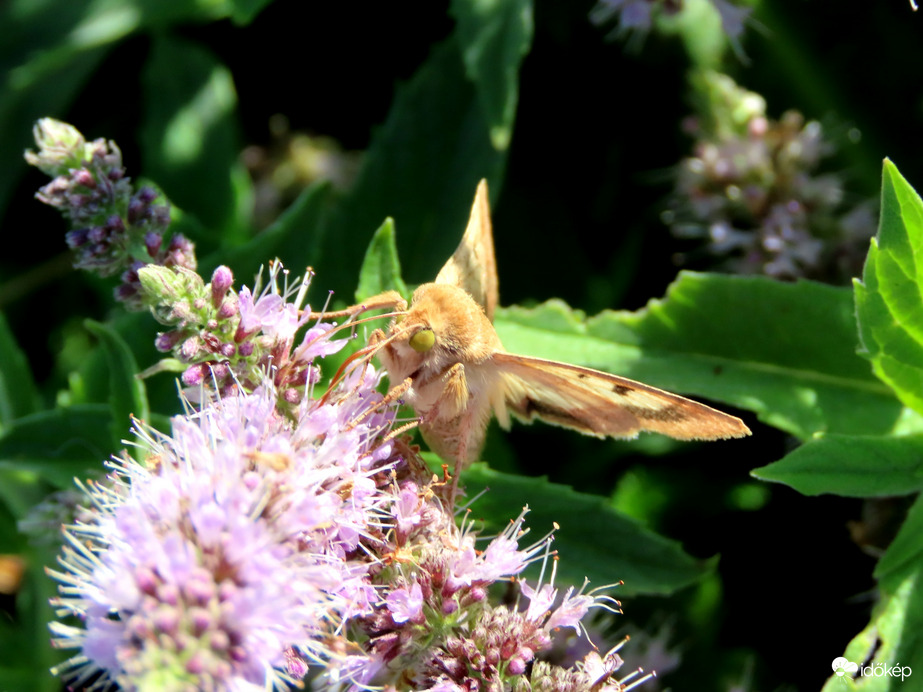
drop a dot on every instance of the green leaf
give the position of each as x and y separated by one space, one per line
127 395
295 234
785 351
495 35
905 554
594 540
26 653
48 51
422 168
852 465
381 268
892 638
889 303
59 444
245 11
189 138
18 394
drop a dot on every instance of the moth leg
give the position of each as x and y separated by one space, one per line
454 398
451 406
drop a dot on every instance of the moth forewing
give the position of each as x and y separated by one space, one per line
604 405
473 266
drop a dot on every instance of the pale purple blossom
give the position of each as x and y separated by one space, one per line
236 541
406 604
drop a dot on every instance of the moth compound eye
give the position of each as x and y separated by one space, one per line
423 340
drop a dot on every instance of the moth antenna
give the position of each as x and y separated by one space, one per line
333 314
390 299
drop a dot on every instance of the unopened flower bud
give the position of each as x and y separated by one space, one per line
61 147
194 375
222 280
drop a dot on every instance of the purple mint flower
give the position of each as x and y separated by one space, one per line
406 604
229 557
501 558
113 229
270 314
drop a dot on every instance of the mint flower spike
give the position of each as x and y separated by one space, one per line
229 340
638 16
435 628
754 192
114 229
234 555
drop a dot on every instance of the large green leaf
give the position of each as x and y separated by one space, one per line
18 395
852 465
785 351
127 393
59 444
494 36
889 302
190 139
296 233
48 50
422 169
593 541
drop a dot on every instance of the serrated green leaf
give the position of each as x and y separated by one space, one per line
18 394
889 303
59 444
594 540
381 268
127 394
494 36
189 138
852 465
785 351
422 169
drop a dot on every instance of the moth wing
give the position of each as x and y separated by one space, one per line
597 403
473 266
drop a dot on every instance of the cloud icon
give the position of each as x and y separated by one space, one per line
841 666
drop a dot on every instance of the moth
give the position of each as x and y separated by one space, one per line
445 352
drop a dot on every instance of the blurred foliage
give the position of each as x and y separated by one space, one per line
580 137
